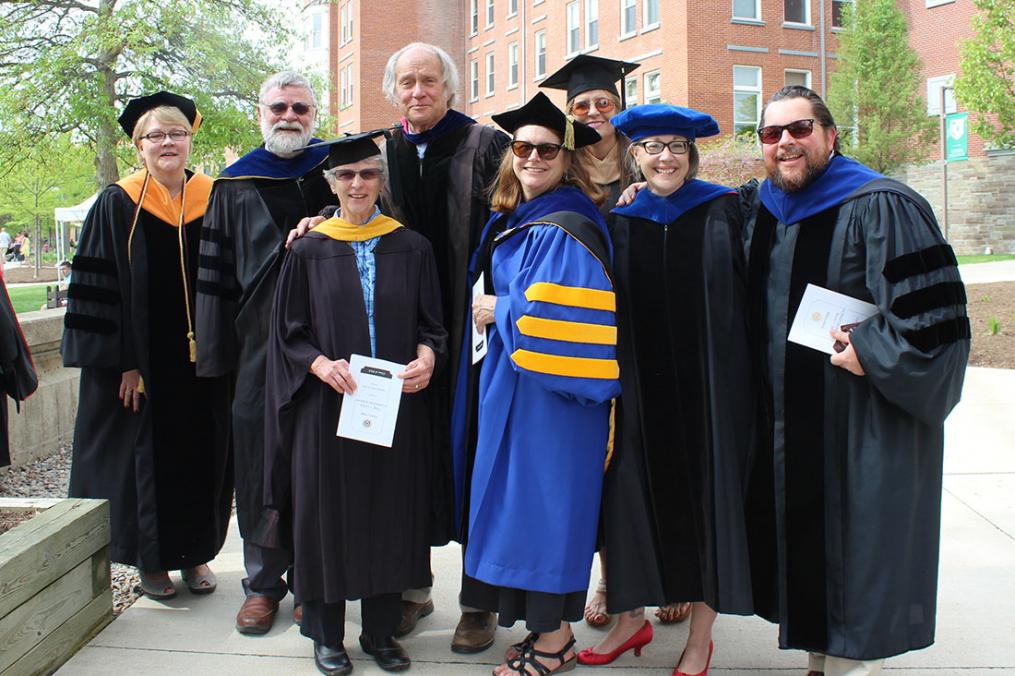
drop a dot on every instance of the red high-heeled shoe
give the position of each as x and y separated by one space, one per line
639 640
678 672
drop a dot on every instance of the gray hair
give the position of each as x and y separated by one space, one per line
286 78
448 68
382 163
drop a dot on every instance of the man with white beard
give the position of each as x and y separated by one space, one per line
253 204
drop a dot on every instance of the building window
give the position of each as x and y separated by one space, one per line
344 14
512 8
573 28
474 80
489 74
540 41
747 9
934 85
746 98
474 13
350 22
797 11
652 87
837 7
591 23
316 28
343 89
801 78
628 17
512 65
349 78
650 14
631 91
489 13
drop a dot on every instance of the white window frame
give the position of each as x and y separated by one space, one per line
513 65
757 11
841 2
350 20
799 71
573 27
625 30
474 16
654 95
343 13
489 13
343 89
934 85
591 24
631 91
936 3
539 52
747 89
512 8
646 23
491 75
807 14
350 77
474 80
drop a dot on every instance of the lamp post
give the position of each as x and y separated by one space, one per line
944 160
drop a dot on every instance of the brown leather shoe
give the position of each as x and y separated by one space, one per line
298 614
411 614
256 615
474 632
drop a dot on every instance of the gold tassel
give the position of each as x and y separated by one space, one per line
193 347
569 132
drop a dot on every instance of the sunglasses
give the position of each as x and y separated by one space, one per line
773 132
176 135
279 107
603 105
656 147
347 175
546 151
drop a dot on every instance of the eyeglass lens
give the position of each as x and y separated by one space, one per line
656 147
797 129
546 151
346 175
279 107
603 105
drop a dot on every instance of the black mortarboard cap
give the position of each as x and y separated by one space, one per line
585 72
541 111
352 148
135 108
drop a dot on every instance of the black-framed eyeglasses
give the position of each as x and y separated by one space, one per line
279 107
797 129
347 175
176 135
678 147
603 104
546 151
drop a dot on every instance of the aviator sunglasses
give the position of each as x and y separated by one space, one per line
773 132
546 151
602 104
347 175
279 107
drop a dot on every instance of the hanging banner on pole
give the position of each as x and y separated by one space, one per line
956 137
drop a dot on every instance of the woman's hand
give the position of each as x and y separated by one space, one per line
303 227
846 359
131 390
483 311
334 374
630 192
417 373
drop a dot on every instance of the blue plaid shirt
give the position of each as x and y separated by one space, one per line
366 265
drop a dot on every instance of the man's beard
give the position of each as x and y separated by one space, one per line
285 143
815 163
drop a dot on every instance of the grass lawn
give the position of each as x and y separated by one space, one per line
27 298
984 258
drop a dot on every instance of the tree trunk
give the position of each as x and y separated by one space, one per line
106 171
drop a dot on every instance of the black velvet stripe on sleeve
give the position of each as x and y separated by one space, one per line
212 263
216 236
917 302
99 266
919 262
948 331
215 289
73 320
93 293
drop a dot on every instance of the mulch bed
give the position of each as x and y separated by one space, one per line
26 273
11 518
987 302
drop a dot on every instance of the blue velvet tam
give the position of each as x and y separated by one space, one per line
661 119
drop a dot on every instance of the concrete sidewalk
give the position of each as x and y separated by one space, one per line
983 273
194 635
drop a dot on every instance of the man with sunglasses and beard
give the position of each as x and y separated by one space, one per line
845 497
253 204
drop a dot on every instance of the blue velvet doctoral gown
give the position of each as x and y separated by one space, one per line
545 398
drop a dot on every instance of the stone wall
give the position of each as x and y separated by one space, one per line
981 201
46 421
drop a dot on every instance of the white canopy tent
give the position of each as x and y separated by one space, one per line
66 217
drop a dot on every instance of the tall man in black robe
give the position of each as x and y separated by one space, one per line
440 164
846 498
253 204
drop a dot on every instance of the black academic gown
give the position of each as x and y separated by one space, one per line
241 251
361 515
17 372
673 512
165 470
846 499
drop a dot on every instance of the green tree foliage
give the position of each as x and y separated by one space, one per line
68 66
54 173
987 83
874 92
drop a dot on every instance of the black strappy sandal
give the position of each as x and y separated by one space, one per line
529 655
515 650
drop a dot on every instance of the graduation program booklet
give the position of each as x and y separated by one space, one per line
478 338
822 310
369 414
